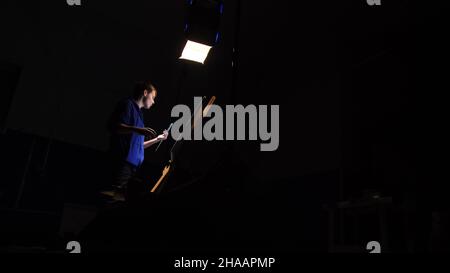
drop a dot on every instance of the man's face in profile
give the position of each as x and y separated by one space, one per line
149 99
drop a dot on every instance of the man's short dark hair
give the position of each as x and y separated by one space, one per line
140 87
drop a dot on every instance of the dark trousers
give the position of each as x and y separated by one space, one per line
124 172
127 182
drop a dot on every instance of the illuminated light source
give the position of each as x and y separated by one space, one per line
196 52
202 28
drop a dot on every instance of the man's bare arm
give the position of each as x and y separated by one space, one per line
156 140
127 129
150 143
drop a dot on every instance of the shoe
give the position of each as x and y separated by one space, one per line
114 195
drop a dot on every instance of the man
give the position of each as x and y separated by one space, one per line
128 134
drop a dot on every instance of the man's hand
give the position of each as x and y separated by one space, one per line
127 129
148 132
163 136
156 140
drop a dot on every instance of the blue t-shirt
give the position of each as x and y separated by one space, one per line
127 147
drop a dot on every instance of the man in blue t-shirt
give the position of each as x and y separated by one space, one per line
128 133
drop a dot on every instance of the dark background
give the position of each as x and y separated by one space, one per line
356 86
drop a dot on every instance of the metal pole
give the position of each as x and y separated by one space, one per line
25 174
237 28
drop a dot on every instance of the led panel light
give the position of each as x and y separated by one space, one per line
195 52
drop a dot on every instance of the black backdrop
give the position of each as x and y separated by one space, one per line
343 73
